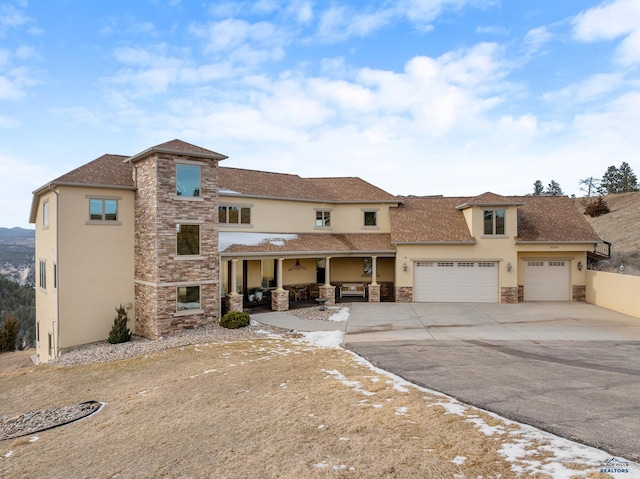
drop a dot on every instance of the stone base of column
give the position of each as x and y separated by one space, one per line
327 292
404 294
509 295
374 293
579 293
234 302
280 300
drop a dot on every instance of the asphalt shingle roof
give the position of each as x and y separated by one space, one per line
280 185
440 220
108 170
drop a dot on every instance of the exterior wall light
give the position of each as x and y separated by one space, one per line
580 266
509 266
404 266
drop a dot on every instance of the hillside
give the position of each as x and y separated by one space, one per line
620 227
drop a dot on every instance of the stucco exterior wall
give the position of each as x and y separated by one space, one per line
614 291
561 253
46 299
97 265
281 216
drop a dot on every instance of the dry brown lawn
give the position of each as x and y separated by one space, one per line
266 408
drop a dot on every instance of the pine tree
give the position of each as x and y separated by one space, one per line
610 181
119 332
9 334
553 189
627 180
589 185
538 189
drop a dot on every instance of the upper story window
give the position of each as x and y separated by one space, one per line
187 180
370 218
234 215
102 209
187 240
45 214
42 270
323 218
494 223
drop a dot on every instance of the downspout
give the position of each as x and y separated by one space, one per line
57 270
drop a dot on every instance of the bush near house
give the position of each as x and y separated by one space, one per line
597 207
235 320
119 332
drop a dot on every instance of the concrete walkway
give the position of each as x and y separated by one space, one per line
289 321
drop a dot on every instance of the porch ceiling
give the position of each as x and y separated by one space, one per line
233 243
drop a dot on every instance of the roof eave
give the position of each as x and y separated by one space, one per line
434 242
517 241
237 194
172 151
311 254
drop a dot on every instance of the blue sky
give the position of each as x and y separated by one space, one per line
453 97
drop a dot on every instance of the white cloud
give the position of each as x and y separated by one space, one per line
8 122
536 39
340 22
609 21
590 89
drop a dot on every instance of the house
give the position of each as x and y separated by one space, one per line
178 239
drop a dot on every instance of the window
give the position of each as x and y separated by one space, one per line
234 215
187 180
45 214
188 298
367 266
37 331
370 218
323 219
188 239
43 274
494 222
55 275
50 345
103 209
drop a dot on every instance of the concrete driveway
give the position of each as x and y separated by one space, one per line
572 369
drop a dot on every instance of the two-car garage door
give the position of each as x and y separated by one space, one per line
456 281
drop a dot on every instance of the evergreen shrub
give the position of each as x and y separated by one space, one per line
235 320
597 207
119 332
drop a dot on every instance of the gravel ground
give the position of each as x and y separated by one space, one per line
104 352
31 422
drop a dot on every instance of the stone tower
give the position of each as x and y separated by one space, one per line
176 238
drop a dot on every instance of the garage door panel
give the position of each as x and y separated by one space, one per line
547 281
455 281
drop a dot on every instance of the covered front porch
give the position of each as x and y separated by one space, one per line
285 282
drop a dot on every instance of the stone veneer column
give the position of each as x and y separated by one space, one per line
579 293
158 270
404 294
374 293
509 294
328 292
280 296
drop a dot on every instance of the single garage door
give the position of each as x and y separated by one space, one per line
546 281
456 281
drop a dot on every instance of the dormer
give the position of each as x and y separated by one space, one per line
491 216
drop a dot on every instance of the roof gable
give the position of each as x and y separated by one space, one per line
108 170
489 199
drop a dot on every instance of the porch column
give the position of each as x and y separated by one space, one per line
374 287
280 296
234 299
326 291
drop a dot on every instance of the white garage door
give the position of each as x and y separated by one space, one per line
456 281
546 281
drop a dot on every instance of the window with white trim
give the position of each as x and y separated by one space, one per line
323 218
45 214
234 215
494 222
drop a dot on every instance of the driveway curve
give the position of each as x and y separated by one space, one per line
572 369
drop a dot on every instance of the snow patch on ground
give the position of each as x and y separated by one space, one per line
341 315
324 339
